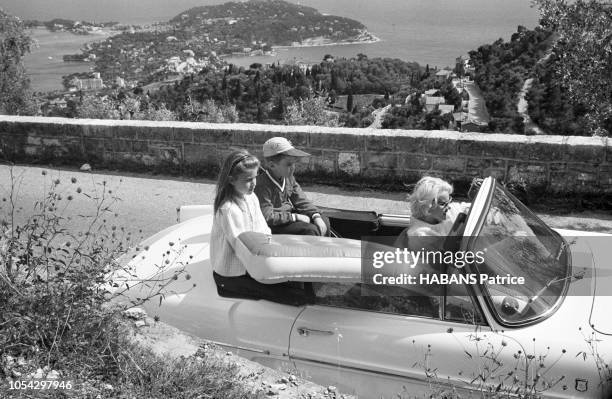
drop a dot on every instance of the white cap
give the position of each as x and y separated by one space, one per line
280 145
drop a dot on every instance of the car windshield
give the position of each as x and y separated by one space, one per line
515 242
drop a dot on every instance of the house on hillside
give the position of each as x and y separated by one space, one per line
431 92
431 103
88 84
464 63
444 74
302 66
445 108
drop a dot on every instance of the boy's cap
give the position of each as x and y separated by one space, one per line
280 145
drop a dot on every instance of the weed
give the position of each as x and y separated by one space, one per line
60 308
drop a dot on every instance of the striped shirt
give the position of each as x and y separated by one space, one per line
232 219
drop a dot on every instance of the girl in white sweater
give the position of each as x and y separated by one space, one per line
237 210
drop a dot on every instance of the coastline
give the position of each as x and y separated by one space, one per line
314 42
94 32
45 63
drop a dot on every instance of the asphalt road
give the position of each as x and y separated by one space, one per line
146 204
477 108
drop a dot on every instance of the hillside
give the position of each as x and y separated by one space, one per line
276 22
500 71
199 37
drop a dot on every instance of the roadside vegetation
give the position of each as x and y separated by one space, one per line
62 296
15 95
501 68
569 56
531 374
572 90
264 94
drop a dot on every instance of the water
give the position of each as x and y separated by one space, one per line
430 32
44 63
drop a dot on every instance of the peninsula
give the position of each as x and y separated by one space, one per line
68 25
199 37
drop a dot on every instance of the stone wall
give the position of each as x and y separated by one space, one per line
551 163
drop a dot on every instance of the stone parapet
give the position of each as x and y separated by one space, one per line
551 163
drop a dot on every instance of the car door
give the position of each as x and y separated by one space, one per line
374 342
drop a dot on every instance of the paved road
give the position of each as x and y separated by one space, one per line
379 115
477 109
149 203
522 109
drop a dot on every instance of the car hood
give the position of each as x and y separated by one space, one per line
592 253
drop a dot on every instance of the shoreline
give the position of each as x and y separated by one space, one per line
373 39
94 35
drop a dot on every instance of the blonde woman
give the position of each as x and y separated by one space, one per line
432 215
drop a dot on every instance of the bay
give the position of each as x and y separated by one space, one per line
432 32
45 65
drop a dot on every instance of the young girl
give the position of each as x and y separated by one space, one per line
237 210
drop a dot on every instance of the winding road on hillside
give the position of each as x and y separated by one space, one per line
522 104
522 109
379 115
477 108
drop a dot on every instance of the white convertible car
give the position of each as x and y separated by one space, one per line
548 337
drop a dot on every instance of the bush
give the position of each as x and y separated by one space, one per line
311 111
15 94
62 294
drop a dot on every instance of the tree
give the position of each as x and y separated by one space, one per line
208 111
15 94
584 50
93 107
160 113
349 102
459 68
311 112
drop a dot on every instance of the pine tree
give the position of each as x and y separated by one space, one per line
238 89
349 102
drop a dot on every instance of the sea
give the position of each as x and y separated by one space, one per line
433 32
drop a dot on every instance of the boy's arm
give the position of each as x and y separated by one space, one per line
274 217
300 202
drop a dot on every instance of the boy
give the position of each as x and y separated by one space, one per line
283 203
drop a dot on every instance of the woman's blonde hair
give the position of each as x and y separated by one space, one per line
426 190
235 164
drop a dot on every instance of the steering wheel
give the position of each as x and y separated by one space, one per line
453 239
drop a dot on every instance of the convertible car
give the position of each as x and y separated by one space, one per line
547 337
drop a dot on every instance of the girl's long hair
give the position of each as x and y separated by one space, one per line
236 163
